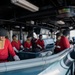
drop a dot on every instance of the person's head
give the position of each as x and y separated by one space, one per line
29 38
40 37
14 37
66 33
58 36
6 37
3 33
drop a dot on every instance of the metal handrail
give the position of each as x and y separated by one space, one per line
9 66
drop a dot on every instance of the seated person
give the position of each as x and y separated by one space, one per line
16 44
28 44
6 47
57 47
40 43
64 42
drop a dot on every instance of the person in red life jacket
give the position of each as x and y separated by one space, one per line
57 47
6 47
28 44
16 44
40 43
64 42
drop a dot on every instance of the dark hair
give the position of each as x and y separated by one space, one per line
58 34
40 35
14 35
28 36
66 32
3 32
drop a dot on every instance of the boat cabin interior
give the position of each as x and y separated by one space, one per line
47 17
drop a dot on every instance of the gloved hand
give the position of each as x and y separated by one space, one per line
20 50
22 47
15 50
31 47
39 46
16 58
57 46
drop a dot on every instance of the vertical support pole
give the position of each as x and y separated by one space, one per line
11 33
21 36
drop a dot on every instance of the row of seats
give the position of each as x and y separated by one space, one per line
49 49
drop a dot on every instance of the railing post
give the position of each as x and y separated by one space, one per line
72 69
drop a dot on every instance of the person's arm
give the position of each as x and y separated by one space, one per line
66 43
12 52
15 50
38 44
30 45
21 46
25 45
57 45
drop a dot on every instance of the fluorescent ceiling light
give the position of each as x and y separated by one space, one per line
23 27
19 27
32 22
25 4
60 22
70 27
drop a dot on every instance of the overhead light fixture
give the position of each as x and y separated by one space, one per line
23 27
25 4
32 22
60 22
19 27
70 27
